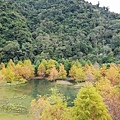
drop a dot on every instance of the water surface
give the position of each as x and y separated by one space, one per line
24 93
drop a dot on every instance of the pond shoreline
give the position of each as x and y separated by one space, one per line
67 81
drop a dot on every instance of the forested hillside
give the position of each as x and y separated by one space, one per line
70 29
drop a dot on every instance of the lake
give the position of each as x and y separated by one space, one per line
23 94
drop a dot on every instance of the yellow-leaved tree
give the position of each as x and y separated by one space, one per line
89 105
79 76
41 70
50 65
77 73
11 64
58 108
9 75
62 72
72 71
53 74
53 107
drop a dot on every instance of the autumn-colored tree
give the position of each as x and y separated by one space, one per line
58 109
118 67
89 105
79 76
53 107
62 72
19 72
113 74
77 64
89 77
103 70
113 102
2 77
9 75
111 97
77 73
44 62
11 64
96 73
53 74
72 71
28 70
104 87
38 106
86 67
41 70
50 65
2 65
96 66
20 63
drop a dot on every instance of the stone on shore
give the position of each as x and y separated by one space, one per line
62 82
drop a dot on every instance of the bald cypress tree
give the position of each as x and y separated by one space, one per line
89 105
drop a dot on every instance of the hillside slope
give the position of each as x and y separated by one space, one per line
72 29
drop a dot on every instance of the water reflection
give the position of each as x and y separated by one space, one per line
35 89
25 93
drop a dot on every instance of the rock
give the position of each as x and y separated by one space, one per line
79 85
62 82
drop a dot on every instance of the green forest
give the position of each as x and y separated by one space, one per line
58 29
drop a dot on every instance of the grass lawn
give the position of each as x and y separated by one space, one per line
15 117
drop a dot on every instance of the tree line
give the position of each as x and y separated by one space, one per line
52 70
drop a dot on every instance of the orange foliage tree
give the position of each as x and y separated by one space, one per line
19 71
113 74
89 77
38 106
2 77
111 97
28 70
53 74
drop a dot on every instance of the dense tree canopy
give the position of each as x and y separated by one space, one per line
44 29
